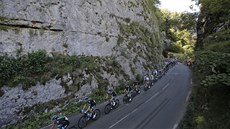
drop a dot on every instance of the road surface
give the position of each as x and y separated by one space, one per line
161 107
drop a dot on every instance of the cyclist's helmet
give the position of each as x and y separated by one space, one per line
86 97
128 86
54 117
110 91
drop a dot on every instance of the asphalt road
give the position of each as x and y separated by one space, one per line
161 107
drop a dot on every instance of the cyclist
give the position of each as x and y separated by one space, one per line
91 106
62 122
113 95
155 72
136 86
147 78
152 79
128 90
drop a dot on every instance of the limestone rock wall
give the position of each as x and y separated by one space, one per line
66 26
73 27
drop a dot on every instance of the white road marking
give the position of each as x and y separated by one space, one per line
147 101
165 86
191 81
119 121
175 126
137 108
187 98
134 110
155 95
152 97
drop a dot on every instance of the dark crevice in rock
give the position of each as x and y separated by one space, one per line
30 27
56 30
35 22
96 34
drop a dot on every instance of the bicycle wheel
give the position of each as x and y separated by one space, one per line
107 108
133 94
117 103
82 122
125 99
130 99
149 87
146 87
98 114
139 91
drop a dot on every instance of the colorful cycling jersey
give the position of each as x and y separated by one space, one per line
128 88
62 122
91 103
146 78
113 93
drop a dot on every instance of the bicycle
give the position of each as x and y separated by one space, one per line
127 98
112 104
135 92
147 85
87 116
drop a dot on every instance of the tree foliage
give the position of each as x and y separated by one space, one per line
216 6
180 29
209 104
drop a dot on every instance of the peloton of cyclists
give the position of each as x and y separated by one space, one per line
62 122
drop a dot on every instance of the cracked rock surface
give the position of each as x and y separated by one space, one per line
72 27
86 27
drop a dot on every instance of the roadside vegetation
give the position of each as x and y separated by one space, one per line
209 106
34 67
92 65
27 70
37 67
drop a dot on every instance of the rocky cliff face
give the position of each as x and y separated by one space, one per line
88 27
126 30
